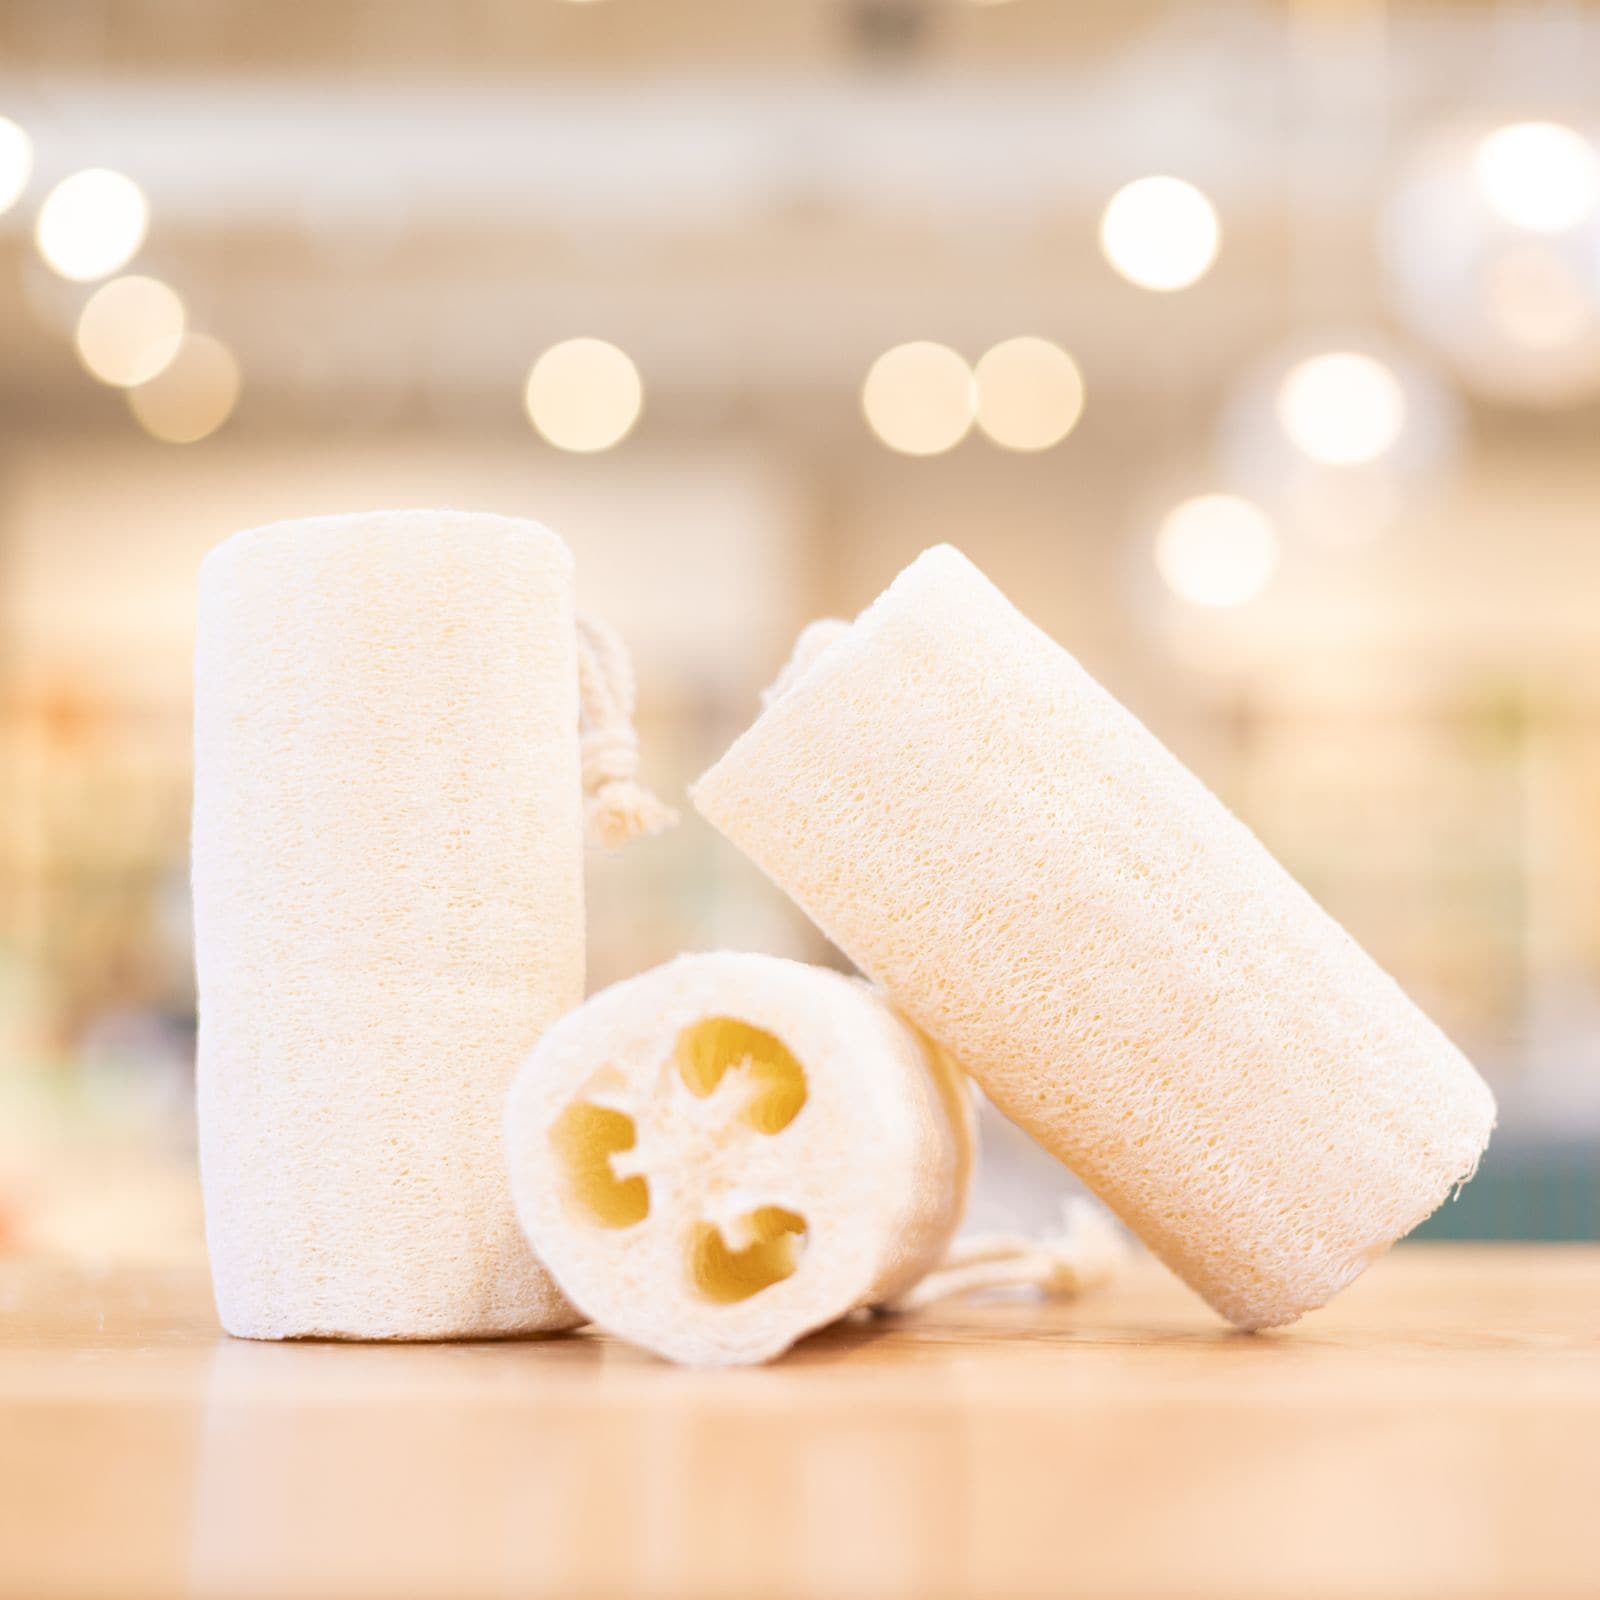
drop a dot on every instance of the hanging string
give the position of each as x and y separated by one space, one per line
1087 1252
617 807
814 638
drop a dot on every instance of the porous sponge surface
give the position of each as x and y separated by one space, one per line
731 1150
1048 892
387 862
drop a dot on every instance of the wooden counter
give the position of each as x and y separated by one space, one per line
1436 1432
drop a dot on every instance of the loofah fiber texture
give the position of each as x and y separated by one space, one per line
1042 887
388 839
722 1154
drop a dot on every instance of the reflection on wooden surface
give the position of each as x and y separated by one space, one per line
1436 1431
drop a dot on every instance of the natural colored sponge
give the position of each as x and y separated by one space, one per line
1041 886
388 837
724 1153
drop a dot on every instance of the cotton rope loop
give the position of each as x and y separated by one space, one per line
814 638
1086 1253
617 807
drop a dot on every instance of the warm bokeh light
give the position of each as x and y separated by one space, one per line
920 398
1338 434
193 396
1539 175
1217 550
1341 408
130 330
584 395
92 224
1160 233
16 162
1476 267
1534 297
1030 394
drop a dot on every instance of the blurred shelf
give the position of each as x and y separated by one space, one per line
1437 1431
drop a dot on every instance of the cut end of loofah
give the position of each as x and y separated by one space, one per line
720 1155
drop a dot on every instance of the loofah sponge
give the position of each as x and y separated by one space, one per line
388 838
729 1151
1041 886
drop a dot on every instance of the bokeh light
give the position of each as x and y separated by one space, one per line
92 224
16 162
1479 268
1030 394
1336 433
192 396
1160 233
1536 297
1217 550
1341 408
584 395
130 330
920 398
1539 175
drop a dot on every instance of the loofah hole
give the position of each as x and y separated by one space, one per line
726 1276
586 1137
708 1050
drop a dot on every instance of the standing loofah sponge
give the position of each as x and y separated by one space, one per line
1062 905
388 839
725 1153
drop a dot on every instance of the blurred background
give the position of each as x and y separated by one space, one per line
1253 348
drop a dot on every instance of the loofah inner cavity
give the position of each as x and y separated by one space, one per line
707 1051
725 1275
586 1137
740 1086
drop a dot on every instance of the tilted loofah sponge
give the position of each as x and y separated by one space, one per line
720 1155
1052 896
388 839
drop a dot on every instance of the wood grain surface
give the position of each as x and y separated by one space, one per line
1436 1432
